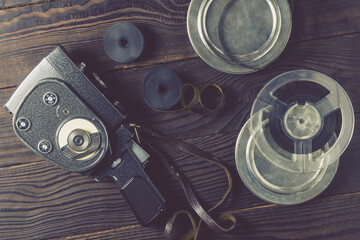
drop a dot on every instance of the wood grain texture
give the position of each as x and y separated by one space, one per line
272 223
337 57
66 206
41 201
79 25
320 19
6 4
12 150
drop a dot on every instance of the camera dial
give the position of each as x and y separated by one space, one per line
79 139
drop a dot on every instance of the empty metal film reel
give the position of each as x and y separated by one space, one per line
239 36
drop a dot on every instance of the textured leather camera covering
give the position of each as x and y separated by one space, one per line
46 121
86 91
58 65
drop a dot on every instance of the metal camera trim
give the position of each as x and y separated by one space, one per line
99 155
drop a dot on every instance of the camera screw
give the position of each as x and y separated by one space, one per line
50 98
118 106
44 146
66 111
82 66
117 103
116 163
23 124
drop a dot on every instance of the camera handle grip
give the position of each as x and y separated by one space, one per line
141 194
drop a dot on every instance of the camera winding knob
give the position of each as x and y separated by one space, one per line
79 139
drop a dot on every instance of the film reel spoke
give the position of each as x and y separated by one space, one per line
273 105
328 104
293 139
303 154
303 147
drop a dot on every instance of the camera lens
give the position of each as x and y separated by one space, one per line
78 140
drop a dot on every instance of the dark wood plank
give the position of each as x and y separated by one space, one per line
80 25
333 218
38 199
6 4
31 210
320 19
336 57
240 91
12 150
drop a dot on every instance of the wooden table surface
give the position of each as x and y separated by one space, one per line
41 201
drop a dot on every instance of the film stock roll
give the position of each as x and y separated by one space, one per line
163 90
123 42
288 151
239 36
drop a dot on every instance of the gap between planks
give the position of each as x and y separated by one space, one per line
27 4
160 61
182 59
267 205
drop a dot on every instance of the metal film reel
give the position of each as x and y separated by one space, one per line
288 151
239 36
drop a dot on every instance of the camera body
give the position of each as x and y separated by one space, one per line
72 122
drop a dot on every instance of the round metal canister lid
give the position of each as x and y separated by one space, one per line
239 36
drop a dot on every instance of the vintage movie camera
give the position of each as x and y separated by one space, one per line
65 115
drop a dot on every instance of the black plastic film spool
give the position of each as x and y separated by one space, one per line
162 89
124 42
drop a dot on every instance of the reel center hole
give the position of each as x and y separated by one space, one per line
161 88
302 121
123 42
